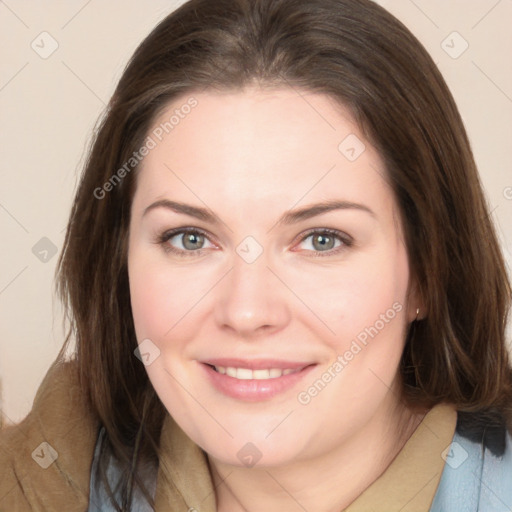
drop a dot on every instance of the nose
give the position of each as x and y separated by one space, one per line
251 300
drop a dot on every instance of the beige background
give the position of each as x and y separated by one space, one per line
49 106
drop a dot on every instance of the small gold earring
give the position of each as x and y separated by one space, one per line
417 313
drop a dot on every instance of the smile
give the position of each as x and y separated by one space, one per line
253 385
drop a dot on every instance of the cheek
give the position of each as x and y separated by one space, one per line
149 301
160 298
160 295
367 292
374 324
367 347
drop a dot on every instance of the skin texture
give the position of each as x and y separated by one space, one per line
250 157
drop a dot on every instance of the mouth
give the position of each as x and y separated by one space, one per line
255 384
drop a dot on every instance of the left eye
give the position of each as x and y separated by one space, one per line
192 240
324 241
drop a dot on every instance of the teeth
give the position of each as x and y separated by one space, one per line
245 373
231 371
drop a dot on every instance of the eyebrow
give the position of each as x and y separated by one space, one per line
288 218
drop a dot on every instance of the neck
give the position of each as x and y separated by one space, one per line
329 482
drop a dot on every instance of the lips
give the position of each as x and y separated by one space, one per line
247 388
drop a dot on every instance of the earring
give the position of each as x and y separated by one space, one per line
417 313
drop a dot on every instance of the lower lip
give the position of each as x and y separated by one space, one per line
254 390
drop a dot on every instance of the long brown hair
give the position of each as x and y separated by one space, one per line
365 59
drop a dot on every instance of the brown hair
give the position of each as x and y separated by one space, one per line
360 55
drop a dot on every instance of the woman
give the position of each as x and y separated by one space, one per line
284 285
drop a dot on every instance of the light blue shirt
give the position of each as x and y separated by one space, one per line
475 479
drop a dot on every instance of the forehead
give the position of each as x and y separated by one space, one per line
258 145
277 118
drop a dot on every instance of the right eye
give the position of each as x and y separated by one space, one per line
191 239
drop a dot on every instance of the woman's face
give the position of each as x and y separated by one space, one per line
265 280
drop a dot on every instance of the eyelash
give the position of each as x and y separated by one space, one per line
164 237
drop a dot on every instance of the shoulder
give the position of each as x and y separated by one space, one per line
478 465
46 458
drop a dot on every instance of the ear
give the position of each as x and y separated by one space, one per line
416 309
